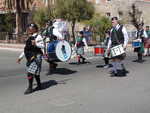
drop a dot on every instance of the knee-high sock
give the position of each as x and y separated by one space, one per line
30 80
139 56
114 67
106 60
37 77
145 51
123 66
119 66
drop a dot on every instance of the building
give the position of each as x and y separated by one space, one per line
120 8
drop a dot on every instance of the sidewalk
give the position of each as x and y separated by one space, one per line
12 47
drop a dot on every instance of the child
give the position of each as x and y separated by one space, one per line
106 54
33 53
79 45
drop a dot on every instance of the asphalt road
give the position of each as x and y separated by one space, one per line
75 88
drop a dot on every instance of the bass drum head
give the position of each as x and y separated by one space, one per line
63 51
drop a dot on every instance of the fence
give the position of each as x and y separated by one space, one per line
6 37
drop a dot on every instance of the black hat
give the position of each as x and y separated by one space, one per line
32 25
141 24
114 18
81 32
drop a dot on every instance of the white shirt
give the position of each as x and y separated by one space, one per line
126 37
144 34
38 42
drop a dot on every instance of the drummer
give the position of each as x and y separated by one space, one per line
147 42
79 45
118 35
51 38
106 54
140 35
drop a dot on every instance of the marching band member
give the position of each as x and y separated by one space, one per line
147 42
118 35
79 45
48 32
106 54
33 53
140 35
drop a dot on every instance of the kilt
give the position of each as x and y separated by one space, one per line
34 67
147 43
139 49
80 51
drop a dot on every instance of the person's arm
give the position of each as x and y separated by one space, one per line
109 44
85 43
126 37
39 42
21 56
145 34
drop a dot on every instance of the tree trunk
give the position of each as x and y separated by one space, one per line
73 28
18 21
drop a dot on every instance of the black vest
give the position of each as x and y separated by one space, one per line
140 34
31 50
117 36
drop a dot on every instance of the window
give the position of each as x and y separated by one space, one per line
108 14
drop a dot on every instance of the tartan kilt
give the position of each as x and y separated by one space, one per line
34 67
80 51
139 49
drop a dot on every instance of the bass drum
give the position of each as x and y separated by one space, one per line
59 51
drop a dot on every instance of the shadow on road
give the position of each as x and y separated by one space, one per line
50 83
64 71
76 63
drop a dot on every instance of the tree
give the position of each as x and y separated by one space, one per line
74 11
42 15
136 16
99 25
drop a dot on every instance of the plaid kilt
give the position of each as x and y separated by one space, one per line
35 66
80 51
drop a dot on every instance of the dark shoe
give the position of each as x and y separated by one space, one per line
78 63
55 66
125 71
121 73
140 61
28 91
135 60
83 60
113 74
38 88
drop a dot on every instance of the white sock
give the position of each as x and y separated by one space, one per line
119 66
114 67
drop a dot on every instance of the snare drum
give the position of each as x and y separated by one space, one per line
98 50
136 44
117 50
59 51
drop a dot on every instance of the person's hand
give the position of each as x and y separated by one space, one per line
108 50
87 48
33 42
18 60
